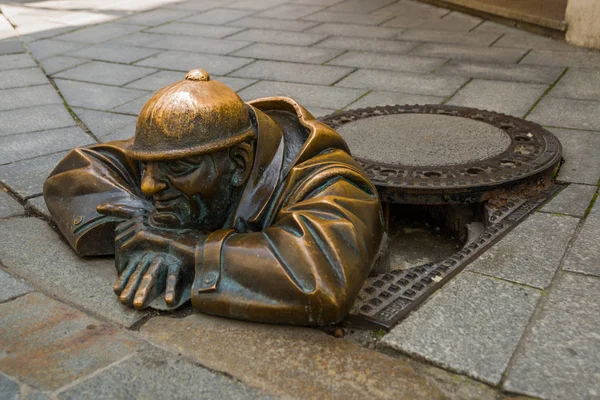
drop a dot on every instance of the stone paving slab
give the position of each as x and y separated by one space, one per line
34 119
9 388
48 344
366 44
54 64
273 24
280 52
55 269
292 72
289 11
567 113
156 374
512 98
573 200
279 37
106 73
189 29
37 206
560 357
578 84
307 95
582 164
414 9
94 96
104 123
155 17
11 47
388 61
183 43
403 82
562 59
472 326
9 207
383 98
11 99
501 72
181 61
133 107
31 145
530 254
471 53
289 362
347 18
355 30
452 37
157 80
25 178
114 53
16 61
256 4
360 7
526 40
22 77
584 254
100 33
449 23
11 287
50 47
218 16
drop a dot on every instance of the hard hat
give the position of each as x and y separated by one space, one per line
191 117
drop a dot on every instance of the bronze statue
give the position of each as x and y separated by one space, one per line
254 211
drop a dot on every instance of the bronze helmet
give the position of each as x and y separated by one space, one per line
194 116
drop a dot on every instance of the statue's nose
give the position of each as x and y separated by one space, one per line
152 182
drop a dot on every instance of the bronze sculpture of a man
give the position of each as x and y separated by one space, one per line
254 211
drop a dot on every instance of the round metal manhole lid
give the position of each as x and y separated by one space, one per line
444 153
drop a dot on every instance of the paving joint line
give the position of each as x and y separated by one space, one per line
496 41
523 56
550 87
447 99
357 99
345 76
334 57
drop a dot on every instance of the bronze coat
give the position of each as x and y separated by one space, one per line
300 245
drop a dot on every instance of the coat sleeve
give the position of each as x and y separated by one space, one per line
306 269
85 178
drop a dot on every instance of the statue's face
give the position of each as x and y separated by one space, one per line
194 192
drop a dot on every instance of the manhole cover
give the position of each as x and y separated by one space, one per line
443 156
436 154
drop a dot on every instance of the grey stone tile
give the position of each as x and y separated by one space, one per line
355 30
281 52
104 123
567 113
9 388
347 18
364 44
56 64
114 53
495 27
22 78
471 53
99 97
581 162
15 61
403 82
503 72
584 255
196 5
54 268
526 40
255 4
531 253
382 98
413 9
37 206
439 36
320 112
50 47
152 374
578 84
66 343
330 97
105 73
560 357
177 60
10 288
280 37
133 107
137 39
563 59
9 207
512 98
573 200
157 80
388 61
218 16
359 6
11 47
197 30
235 83
26 178
100 33
289 11
155 17
472 326
276 24
30 145
186 43
451 22
11 99
291 72
34 119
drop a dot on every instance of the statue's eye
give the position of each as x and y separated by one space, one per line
177 167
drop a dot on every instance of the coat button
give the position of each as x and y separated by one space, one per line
77 220
210 278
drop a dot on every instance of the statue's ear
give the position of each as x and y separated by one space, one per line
242 156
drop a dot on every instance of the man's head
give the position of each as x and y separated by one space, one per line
195 141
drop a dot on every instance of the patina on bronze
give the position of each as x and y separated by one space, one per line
253 210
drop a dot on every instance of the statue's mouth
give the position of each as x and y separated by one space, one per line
166 203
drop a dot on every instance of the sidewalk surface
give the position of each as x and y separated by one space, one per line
524 319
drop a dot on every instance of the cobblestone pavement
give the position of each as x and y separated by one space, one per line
523 319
